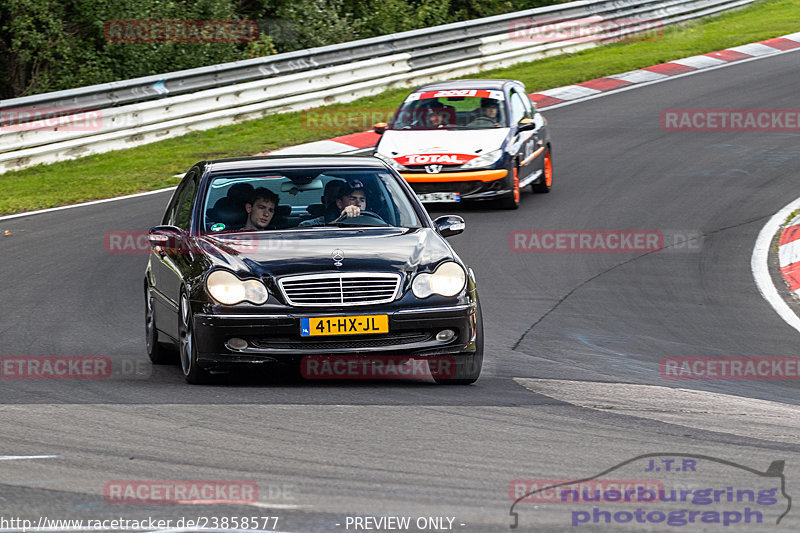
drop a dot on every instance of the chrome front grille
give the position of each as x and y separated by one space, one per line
356 288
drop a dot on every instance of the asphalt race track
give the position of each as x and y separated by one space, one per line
323 452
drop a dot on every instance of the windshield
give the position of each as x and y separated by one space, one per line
451 109
306 199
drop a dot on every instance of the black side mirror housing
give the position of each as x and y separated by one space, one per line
449 225
526 124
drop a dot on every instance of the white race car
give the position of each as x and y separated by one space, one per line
469 140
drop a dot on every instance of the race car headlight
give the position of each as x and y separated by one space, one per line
489 158
392 163
447 280
227 289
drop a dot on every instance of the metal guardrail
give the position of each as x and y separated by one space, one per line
142 110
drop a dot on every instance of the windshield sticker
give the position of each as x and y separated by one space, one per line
457 93
219 226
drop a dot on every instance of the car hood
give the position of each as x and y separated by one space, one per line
398 143
284 253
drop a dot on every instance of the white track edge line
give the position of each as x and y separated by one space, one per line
668 78
760 266
554 106
84 204
19 457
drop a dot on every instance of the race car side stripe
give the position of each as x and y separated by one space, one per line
531 157
478 175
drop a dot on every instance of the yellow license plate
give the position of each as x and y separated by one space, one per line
344 325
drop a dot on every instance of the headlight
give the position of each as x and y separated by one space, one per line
392 163
227 289
489 158
447 280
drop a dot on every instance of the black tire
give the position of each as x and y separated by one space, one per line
468 365
188 349
546 181
157 352
512 201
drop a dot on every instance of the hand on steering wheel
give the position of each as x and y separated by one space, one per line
485 119
359 213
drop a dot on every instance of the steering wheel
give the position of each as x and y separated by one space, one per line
363 213
484 119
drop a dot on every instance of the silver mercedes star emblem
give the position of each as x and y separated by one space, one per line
337 255
433 169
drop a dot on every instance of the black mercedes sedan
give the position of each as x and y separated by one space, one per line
327 262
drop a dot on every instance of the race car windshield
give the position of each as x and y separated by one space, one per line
450 112
305 199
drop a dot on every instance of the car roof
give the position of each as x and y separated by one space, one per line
487 84
292 161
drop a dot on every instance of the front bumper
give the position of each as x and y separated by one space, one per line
474 185
276 337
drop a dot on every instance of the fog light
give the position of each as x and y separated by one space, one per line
235 343
445 335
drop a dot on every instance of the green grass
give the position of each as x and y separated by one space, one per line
153 166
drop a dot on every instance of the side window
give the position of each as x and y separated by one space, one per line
177 196
183 213
518 110
529 109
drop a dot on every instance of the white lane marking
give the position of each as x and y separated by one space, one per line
84 204
264 505
18 457
267 505
760 267
700 62
789 253
570 92
666 78
710 411
317 147
753 49
639 76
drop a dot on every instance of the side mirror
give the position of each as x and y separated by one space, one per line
163 238
449 225
526 124
380 127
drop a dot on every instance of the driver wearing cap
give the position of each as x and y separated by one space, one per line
349 200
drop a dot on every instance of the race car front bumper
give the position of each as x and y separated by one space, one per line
473 185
